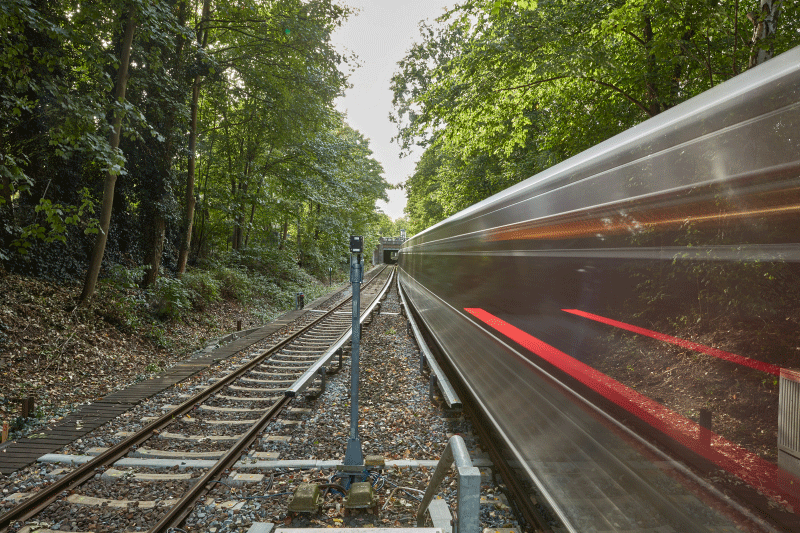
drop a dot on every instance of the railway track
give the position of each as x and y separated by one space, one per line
229 415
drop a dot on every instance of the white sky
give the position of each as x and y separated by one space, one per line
380 35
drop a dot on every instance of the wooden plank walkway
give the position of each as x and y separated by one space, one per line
19 453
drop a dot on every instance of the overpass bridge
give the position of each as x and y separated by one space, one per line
386 251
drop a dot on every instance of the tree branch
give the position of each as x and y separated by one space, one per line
587 78
532 84
635 37
620 91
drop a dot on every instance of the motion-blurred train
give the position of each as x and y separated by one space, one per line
629 319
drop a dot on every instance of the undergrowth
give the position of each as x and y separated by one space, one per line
257 278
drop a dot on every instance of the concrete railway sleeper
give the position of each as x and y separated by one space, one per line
217 414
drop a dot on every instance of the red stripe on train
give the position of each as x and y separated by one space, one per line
721 354
746 465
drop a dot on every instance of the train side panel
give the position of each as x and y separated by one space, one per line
643 291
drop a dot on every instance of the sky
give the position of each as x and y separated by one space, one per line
380 35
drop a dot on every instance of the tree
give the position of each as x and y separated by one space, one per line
274 77
764 25
53 85
505 86
201 67
160 91
96 259
98 97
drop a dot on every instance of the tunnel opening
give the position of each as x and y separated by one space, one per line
390 257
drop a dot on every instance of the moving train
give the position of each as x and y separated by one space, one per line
629 319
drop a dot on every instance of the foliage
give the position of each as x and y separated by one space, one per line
203 288
171 298
386 227
254 275
233 283
266 261
124 278
696 289
499 90
281 178
56 219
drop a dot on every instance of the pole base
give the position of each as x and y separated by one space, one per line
353 455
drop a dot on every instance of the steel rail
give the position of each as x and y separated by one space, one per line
181 509
448 392
47 495
308 376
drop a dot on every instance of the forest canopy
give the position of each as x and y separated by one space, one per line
164 133
498 90
161 133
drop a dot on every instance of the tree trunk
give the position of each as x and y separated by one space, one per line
156 224
155 250
188 219
284 234
252 216
764 24
677 72
316 224
238 229
111 179
198 238
236 235
651 73
299 241
239 219
249 224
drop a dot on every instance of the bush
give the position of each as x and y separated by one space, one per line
263 277
234 283
278 294
271 262
203 288
170 298
124 278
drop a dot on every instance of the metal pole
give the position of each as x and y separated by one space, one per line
354 456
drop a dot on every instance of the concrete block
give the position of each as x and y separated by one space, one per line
278 438
261 527
239 479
